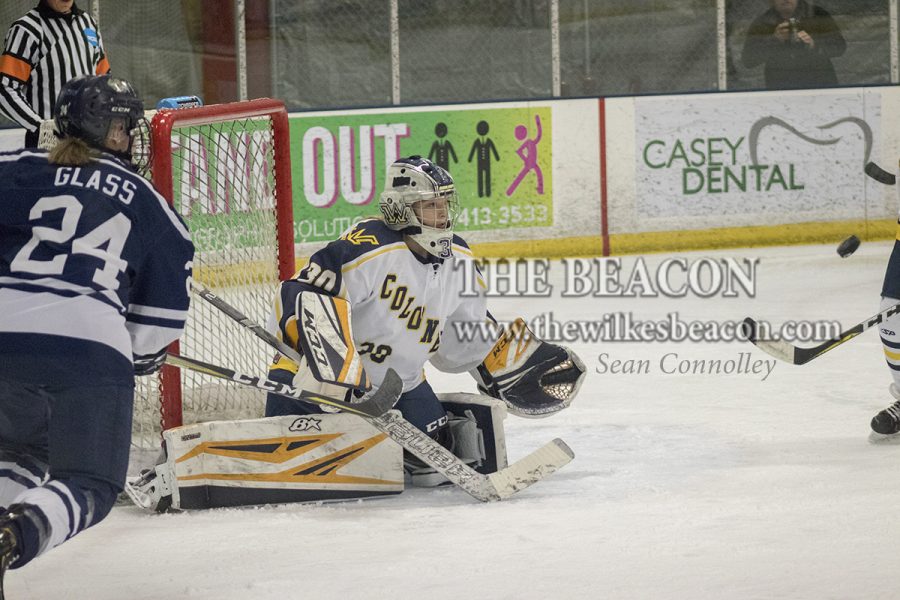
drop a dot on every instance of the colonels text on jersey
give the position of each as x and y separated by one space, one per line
403 303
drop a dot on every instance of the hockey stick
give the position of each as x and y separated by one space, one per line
378 404
245 321
879 174
495 486
800 356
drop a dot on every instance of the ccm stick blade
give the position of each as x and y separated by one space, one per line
796 355
380 402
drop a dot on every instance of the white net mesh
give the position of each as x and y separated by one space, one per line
223 185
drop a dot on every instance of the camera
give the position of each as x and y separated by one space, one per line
794 24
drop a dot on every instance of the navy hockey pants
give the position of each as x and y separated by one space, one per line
63 456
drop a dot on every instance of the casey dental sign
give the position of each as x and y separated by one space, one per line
755 153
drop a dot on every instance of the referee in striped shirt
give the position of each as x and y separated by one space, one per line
53 43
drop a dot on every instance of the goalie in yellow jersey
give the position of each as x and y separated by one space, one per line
385 295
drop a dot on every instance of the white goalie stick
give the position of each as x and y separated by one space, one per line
487 488
796 355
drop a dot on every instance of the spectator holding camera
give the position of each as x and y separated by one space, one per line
796 41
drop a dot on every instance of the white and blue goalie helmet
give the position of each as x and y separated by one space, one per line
420 200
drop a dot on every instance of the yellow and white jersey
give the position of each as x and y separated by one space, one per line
402 305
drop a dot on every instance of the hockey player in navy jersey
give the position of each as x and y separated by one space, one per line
386 294
887 422
94 268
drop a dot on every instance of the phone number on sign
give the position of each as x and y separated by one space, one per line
512 214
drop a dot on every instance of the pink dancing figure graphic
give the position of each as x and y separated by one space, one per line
528 152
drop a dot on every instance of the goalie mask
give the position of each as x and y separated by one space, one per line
420 201
107 114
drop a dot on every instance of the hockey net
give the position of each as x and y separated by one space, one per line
226 170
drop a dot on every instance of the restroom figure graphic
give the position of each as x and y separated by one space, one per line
528 152
484 147
442 150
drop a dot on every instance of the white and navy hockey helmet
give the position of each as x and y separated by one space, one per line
420 201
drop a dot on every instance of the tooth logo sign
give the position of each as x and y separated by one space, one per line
756 129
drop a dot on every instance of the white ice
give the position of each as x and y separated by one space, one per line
706 486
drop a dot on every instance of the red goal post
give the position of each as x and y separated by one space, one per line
226 169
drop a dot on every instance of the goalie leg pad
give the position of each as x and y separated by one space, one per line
476 422
476 436
309 458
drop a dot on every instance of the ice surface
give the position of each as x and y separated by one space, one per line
707 486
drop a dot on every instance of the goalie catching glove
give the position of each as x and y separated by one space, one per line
534 378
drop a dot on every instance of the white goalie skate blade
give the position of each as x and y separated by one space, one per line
138 497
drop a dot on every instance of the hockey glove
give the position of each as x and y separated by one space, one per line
533 378
147 364
326 340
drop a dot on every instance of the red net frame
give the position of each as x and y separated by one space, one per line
162 169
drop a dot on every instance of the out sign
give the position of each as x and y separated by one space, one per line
346 166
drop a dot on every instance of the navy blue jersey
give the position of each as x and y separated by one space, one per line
890 288
92 255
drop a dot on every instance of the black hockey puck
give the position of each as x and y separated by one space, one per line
848 246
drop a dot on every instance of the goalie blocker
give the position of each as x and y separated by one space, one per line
309 458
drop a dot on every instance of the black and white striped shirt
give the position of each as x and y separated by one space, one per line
43 50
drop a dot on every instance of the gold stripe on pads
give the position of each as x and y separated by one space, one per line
891 355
